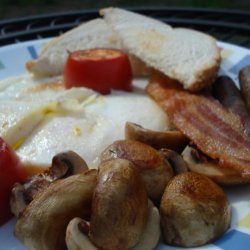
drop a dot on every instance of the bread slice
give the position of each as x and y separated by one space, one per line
92 34
188 56
95 33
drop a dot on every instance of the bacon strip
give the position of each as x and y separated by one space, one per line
216 131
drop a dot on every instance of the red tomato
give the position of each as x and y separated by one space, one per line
98 69
11 171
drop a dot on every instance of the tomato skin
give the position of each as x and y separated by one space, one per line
11 171
98 69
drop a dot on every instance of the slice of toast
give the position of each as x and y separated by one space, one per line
92 34
188 56
95 33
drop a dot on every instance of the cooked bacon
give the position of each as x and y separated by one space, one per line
216 131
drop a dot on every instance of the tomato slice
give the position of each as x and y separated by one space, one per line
11 171
98 69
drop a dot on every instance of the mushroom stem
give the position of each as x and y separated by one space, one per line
75 238
152 230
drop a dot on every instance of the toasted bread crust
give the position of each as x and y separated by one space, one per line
188 56
207 76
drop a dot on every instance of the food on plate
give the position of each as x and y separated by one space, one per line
194 210
11 171
119 206
97 122
99 69
69 205
198 162
95 33
38 113
175 160
151 164
104 209
171 139
244 79
25 102
43 222
196 68
66 164
92 34
189 56
76 235
76 238
215 131
63 165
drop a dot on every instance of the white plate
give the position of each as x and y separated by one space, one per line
12 63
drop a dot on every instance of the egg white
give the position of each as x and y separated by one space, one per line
26 101
52 119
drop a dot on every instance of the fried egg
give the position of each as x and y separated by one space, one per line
25 102
53 119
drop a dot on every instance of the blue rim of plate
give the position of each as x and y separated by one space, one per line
12 63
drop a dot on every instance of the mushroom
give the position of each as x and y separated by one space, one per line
77 239
176 161
70 161
200 163
171 139
42 224
119 206
194 210
63 165
151 164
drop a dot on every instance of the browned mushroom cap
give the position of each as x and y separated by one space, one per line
200 163
119 206
171 139
68 163
152 165
43 222
194 210
63 165
176 161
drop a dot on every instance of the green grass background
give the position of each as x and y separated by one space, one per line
19 8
